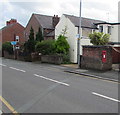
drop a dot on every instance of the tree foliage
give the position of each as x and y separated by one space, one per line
39 35
31 36
46 47
29 46
7 47
62 46
98 38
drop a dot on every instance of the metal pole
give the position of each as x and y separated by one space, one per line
79 32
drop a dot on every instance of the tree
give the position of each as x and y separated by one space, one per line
29 46
98 38
62 46
31 36
39 35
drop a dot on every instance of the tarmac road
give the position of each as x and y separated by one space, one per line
43 88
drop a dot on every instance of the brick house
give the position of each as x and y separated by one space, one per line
13 31
46 23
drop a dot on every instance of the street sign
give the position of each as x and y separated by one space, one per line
13 43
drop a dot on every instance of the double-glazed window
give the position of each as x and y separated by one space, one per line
109 29
100 28
17 38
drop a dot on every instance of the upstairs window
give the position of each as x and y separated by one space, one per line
17 38
100 28
109 30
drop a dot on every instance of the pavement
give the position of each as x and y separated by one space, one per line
111 75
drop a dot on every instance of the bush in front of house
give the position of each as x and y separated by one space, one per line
7 47
98 38
62 46
59 47
46 47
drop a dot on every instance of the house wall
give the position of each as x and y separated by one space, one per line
8 34
72 31
71 34
114 34
114 31
34 24
86 32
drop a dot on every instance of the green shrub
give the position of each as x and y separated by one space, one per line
66 58
46 47
62 46
7 47
98 38
29 46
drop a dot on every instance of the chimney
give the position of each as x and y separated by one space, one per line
55 20
7 23
12 21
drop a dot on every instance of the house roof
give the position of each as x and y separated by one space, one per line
107 23
45 21
10 26
85 22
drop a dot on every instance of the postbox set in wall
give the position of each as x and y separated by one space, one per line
104 56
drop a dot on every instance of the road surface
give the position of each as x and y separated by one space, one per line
44 88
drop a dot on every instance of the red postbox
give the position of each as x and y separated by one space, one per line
104 56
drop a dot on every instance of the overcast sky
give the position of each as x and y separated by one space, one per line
106 10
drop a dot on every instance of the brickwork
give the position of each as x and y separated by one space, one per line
34 24
116 55
92 58
9 32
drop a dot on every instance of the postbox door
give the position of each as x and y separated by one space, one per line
104 56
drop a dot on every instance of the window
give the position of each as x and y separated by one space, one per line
109 29
100 28
17 38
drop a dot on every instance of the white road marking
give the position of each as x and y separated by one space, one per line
2 65
109 98
52 80
17 69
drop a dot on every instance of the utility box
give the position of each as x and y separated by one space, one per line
97 57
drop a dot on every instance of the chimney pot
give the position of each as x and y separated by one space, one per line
12 21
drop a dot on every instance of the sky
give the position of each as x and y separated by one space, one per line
106 10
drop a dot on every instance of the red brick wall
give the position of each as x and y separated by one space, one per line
9 33
92 58
34 24
116 55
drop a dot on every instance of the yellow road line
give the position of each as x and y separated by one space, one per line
101 79
9 106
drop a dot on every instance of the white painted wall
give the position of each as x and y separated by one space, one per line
84 42
72 31
71 36
114 34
